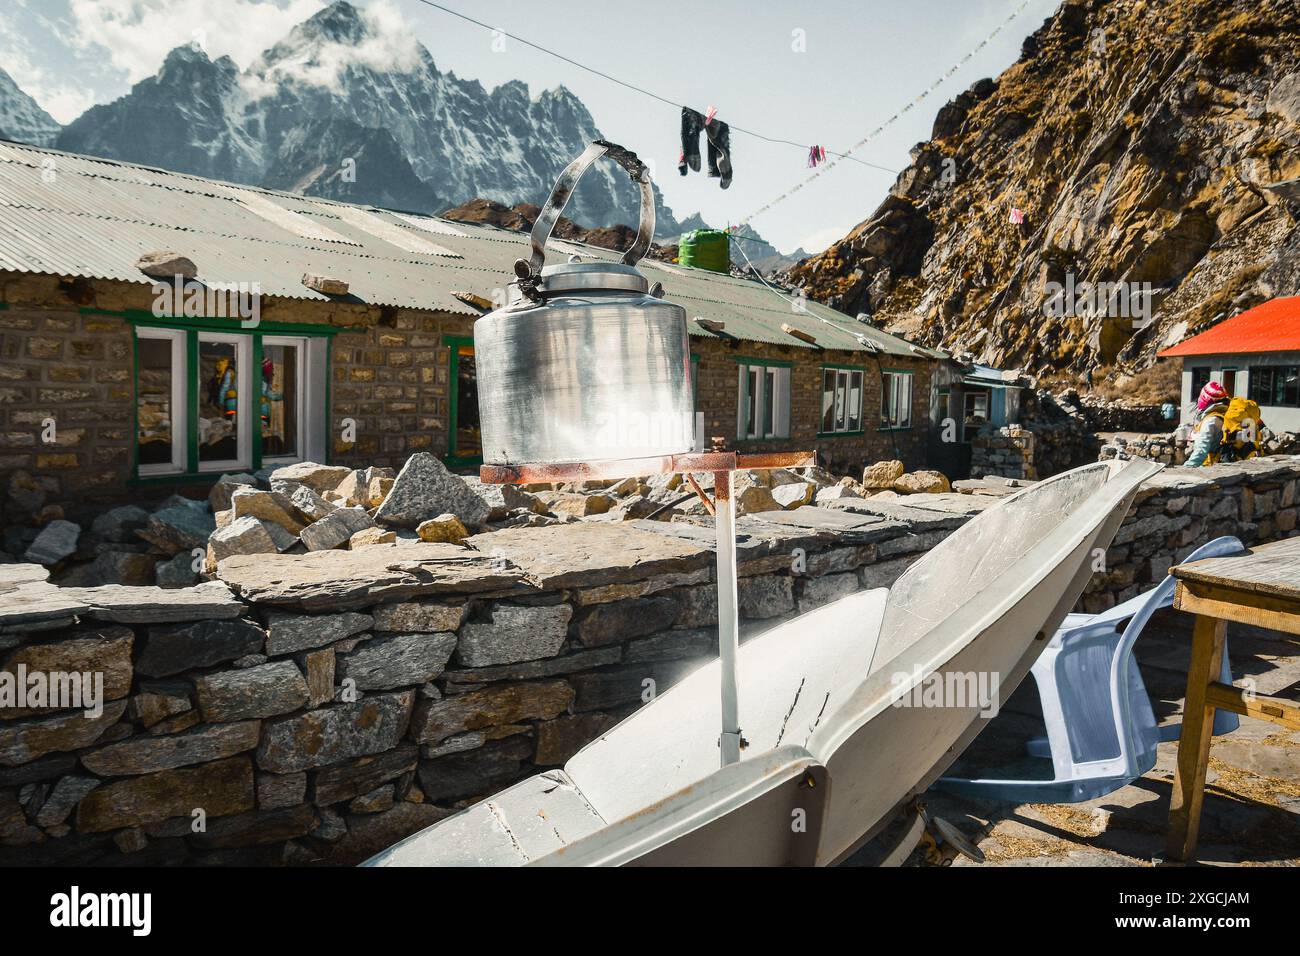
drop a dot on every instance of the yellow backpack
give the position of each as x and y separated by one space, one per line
1241 426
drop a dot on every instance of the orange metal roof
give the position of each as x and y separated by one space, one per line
1273 326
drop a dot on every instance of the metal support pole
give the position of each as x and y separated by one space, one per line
728 615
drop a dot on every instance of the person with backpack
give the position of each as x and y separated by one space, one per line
1223 428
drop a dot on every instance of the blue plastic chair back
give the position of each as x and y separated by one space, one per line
1101 730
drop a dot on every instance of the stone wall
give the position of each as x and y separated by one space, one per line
393 380
315 708
1007 452
67 354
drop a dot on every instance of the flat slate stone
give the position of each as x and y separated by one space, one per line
171 650
331 734
263 691
347 579
400 660
28 602
25 740
105 651
436 720
219 789
154 605
151 754
352 778
512 633
584 554
899 511
290 633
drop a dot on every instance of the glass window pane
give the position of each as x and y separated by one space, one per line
828 400
280 382
769 401
886 390
218 384
855 401
905 401
154 401
841 398
751 411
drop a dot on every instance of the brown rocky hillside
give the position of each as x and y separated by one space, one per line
1142 140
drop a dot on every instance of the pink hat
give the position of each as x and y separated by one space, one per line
1212 394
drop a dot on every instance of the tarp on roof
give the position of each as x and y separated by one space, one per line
69 215
1273 326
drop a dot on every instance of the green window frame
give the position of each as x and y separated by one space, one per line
315 426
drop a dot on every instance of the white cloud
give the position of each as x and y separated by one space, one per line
135 35
51 91
391 46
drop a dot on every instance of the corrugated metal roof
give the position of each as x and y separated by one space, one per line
1273 326
64 214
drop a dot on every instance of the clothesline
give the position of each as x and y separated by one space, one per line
642 90
825 167
820 169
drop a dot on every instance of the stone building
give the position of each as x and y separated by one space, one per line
356 326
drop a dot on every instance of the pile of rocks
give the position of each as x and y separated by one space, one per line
127 545
1165 448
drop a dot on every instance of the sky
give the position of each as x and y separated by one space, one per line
825 72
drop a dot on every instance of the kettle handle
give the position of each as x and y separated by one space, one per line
531 270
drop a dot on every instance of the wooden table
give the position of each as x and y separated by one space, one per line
1261 587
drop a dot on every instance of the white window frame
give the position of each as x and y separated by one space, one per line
772 380
892 383
179 403
305 409
842 404
243 402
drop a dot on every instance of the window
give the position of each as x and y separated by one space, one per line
1277 385
224 441
976 414
1200 378
210 401
896 400
160 402
841 400
281 399
763 409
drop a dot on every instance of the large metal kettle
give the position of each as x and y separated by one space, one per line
586 361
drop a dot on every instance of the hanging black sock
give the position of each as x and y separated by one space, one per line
719 134
692 123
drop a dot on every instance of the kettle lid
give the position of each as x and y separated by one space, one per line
592 277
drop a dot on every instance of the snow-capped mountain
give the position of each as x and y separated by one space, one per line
21 119
347 85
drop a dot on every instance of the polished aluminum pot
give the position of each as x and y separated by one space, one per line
586 361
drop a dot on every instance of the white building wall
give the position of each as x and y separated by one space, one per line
1277 418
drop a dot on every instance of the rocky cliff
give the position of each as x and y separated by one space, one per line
1142 144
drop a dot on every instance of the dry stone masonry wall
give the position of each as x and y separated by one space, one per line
313 708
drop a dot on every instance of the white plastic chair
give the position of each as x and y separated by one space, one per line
1101 730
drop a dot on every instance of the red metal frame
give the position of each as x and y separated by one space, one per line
708 461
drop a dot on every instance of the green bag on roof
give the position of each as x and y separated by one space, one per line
705 249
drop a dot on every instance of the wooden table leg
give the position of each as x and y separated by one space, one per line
1194 741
